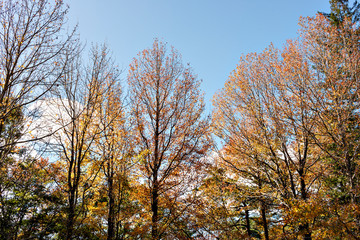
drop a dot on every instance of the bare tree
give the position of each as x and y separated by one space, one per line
32 43
77 112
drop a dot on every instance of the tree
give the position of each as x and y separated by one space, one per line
76 109
167 108
340 10
263 116
31 45
29 208
333 52
114 148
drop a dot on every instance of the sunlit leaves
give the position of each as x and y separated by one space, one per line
167 108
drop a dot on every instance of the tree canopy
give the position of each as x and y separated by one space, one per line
85 155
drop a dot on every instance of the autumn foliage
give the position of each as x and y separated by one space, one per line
84 155
289 121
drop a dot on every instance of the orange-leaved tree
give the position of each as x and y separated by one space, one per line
167 108
333 51
264 117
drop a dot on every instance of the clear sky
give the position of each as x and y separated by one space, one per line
211 35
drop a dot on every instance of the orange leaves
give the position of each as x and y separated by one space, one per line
167 108
289 120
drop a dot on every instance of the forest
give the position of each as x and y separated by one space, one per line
88 151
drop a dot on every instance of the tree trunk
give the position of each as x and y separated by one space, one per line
154 209
70 218
111 213
304 227
247 219
264 221
307 234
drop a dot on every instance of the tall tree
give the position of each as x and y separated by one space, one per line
75 108
167 108
263 115
334 54
114 148
32 41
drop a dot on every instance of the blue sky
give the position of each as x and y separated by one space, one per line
211 35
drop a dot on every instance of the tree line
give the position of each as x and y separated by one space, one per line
85 156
